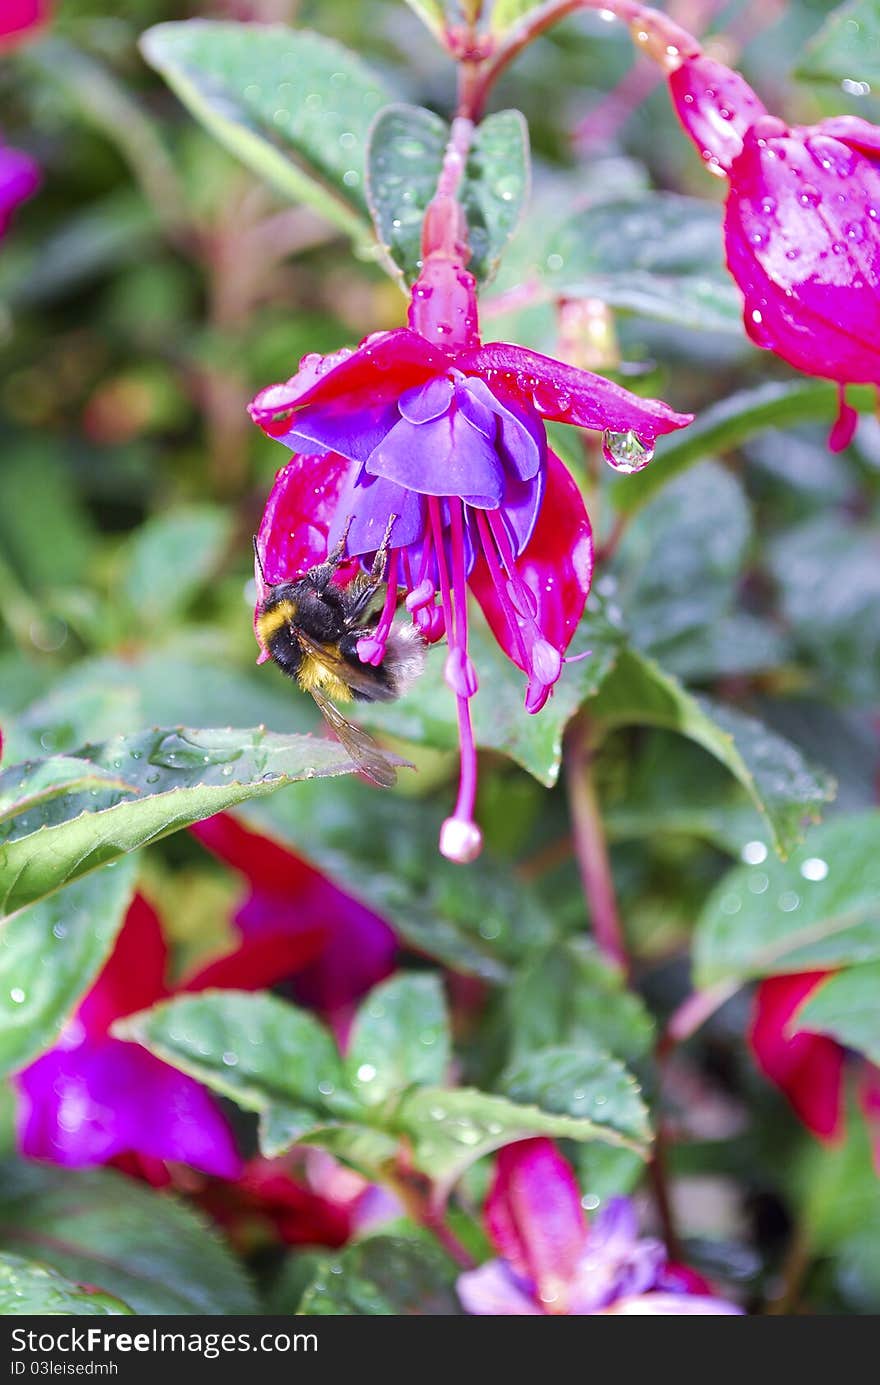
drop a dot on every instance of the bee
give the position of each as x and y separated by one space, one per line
311 628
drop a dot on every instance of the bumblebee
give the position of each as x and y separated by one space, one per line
311 628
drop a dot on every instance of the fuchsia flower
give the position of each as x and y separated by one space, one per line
93 1098
808 1068
19 179
288 900
553 1262
19 18
802 225
425 424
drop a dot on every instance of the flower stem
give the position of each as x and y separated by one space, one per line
590 845
424 1211
693 1012
657 35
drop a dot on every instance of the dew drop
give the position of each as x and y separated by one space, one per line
365 1073
625 452
230 1058
753 853
814 868
17 995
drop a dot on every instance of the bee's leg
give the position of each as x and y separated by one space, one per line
359 604
321 576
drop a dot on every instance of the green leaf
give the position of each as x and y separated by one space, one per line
404 160
820 909
732 422
404 157
568 995
845 1006
387 1276
382 848
784 789
507 13
500 719
660 256
828 575
172 778
846 48
451 1129
400 1038
681 556
294 106
496 187
28 1288
583 1083
41 781
432 13
51 954
254 1048
367 1150
96 1226
171 557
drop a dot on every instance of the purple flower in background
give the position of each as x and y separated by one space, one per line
92 1098
801 228
425 426
551 1261
19 179
346 948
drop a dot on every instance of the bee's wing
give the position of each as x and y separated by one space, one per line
354 677
366 754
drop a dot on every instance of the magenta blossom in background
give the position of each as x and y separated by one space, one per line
19 19
425 424
809 1068
551 1261
19 179
288 900
802 225
93 1098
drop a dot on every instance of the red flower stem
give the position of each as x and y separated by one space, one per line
655 33
429 1213
693 1012
590 845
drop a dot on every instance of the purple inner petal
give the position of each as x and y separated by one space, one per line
444 457
426 402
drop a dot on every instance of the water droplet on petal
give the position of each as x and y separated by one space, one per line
625 452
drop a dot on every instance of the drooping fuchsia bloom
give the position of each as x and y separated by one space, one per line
426 424
809 1068
553 1262
306 1198
19 179
288 900
93 1098
801 226
19 19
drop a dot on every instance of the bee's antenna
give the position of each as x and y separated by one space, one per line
379 561
259 561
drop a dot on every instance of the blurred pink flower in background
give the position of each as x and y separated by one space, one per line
809 1068
552 1261
19 19
802 225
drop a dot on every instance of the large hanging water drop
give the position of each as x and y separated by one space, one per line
625 451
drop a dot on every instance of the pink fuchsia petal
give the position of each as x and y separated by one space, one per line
808 1068
19 19
716 106
869 1100
88 1104
19 179
293 532
852 130
568 395
260 961
289 897
556 566
802 235
535 1218
133 977
382 367
495 1291
671 1305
